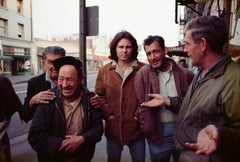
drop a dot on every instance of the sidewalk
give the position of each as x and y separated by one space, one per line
15 79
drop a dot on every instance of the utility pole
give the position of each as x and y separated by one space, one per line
82 36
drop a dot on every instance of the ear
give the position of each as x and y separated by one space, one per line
203 44
82 78
165 50
44 65
42 61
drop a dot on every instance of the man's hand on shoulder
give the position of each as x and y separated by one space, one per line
42 97
98 101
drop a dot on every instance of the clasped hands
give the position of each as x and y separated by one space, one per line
71 143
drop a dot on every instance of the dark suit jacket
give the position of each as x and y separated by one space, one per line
9 101
35 85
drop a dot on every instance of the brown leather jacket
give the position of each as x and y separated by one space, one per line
121 103
146 81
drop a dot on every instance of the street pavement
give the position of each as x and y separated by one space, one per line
21 151
15 79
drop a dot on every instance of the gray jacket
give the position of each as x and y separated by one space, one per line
215 100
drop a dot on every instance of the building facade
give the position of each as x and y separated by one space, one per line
15 37
227 9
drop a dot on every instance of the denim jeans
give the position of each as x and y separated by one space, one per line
136 148
163 152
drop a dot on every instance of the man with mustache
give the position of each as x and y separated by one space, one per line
38 90
162 76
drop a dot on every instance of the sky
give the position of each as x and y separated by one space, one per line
139 17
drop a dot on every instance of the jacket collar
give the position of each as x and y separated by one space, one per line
175 67
135 64
219 68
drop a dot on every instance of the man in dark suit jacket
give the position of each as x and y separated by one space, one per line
38 90
9 104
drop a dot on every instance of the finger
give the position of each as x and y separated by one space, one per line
62 147
212 132
151 95
203 150
44 102
192 145
97 106
143 104
210 150
68 136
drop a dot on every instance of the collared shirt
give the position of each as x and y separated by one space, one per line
167 88
128 70
74 115
199 79
50 80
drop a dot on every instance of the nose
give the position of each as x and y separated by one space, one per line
151 56
124 49
185 48
51 66
65 83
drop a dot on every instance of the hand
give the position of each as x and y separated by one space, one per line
156 101
71 143
97 101
23 122
207 140
110 117
42 97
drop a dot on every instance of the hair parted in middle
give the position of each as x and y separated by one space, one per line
118 37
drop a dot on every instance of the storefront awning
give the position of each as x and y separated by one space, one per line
3 57
177 51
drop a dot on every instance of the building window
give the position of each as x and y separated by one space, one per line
20 30
2 3
27 51
19 51
8 50
19 6
3 27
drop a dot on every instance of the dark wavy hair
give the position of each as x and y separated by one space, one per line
118 37
212 28
154 38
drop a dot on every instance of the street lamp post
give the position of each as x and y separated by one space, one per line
82 36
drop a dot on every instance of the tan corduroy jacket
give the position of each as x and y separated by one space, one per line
121 103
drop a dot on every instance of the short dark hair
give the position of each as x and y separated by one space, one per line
53 50
119 36
152 38
69 60
212 28
182 60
